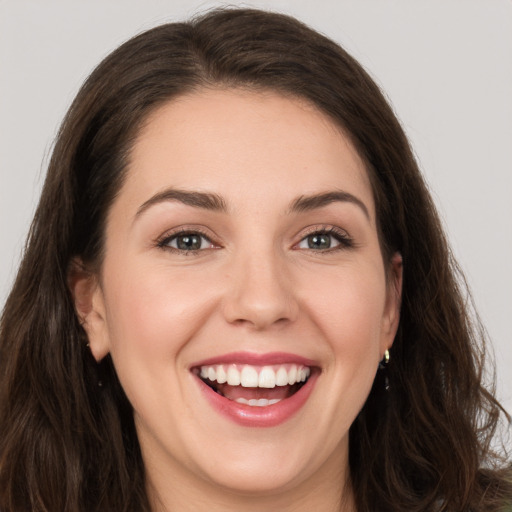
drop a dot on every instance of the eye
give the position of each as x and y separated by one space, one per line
189 241
324 240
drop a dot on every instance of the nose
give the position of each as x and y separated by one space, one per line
260 293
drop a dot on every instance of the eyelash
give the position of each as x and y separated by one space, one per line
163 242
341 236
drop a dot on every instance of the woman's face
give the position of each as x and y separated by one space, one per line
243 294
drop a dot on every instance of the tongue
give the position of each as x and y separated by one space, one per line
234 392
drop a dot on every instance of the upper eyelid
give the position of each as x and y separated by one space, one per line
184 229
323 228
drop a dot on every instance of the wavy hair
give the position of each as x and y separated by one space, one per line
68 445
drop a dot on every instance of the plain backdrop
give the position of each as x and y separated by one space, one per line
446 66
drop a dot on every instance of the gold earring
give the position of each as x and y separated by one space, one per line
384 361
383 365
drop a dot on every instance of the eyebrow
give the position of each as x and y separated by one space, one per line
312 202
204 200
215 202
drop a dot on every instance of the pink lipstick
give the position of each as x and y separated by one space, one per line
256 390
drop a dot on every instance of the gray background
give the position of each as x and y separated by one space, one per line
446 65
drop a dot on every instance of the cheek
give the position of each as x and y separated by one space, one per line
350 302
348 310
154 311
151 317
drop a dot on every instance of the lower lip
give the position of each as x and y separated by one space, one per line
253 416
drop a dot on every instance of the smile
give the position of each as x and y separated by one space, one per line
255 386
256 394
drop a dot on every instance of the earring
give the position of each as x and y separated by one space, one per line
383 365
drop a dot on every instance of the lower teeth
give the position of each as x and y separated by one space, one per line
261 402
254 402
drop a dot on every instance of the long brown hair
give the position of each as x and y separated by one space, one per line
68 444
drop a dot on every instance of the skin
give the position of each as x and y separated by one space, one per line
255 285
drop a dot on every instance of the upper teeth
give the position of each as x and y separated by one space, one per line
256 376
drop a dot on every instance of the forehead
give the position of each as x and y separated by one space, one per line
246 144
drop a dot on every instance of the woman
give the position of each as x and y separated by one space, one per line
237 294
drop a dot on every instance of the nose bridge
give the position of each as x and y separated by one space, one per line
260 292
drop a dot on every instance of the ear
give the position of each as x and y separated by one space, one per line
391 317
90 307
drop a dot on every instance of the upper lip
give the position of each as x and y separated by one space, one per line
256 359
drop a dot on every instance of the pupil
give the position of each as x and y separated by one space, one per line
189 242
319 241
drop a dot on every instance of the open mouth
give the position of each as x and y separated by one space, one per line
255 386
